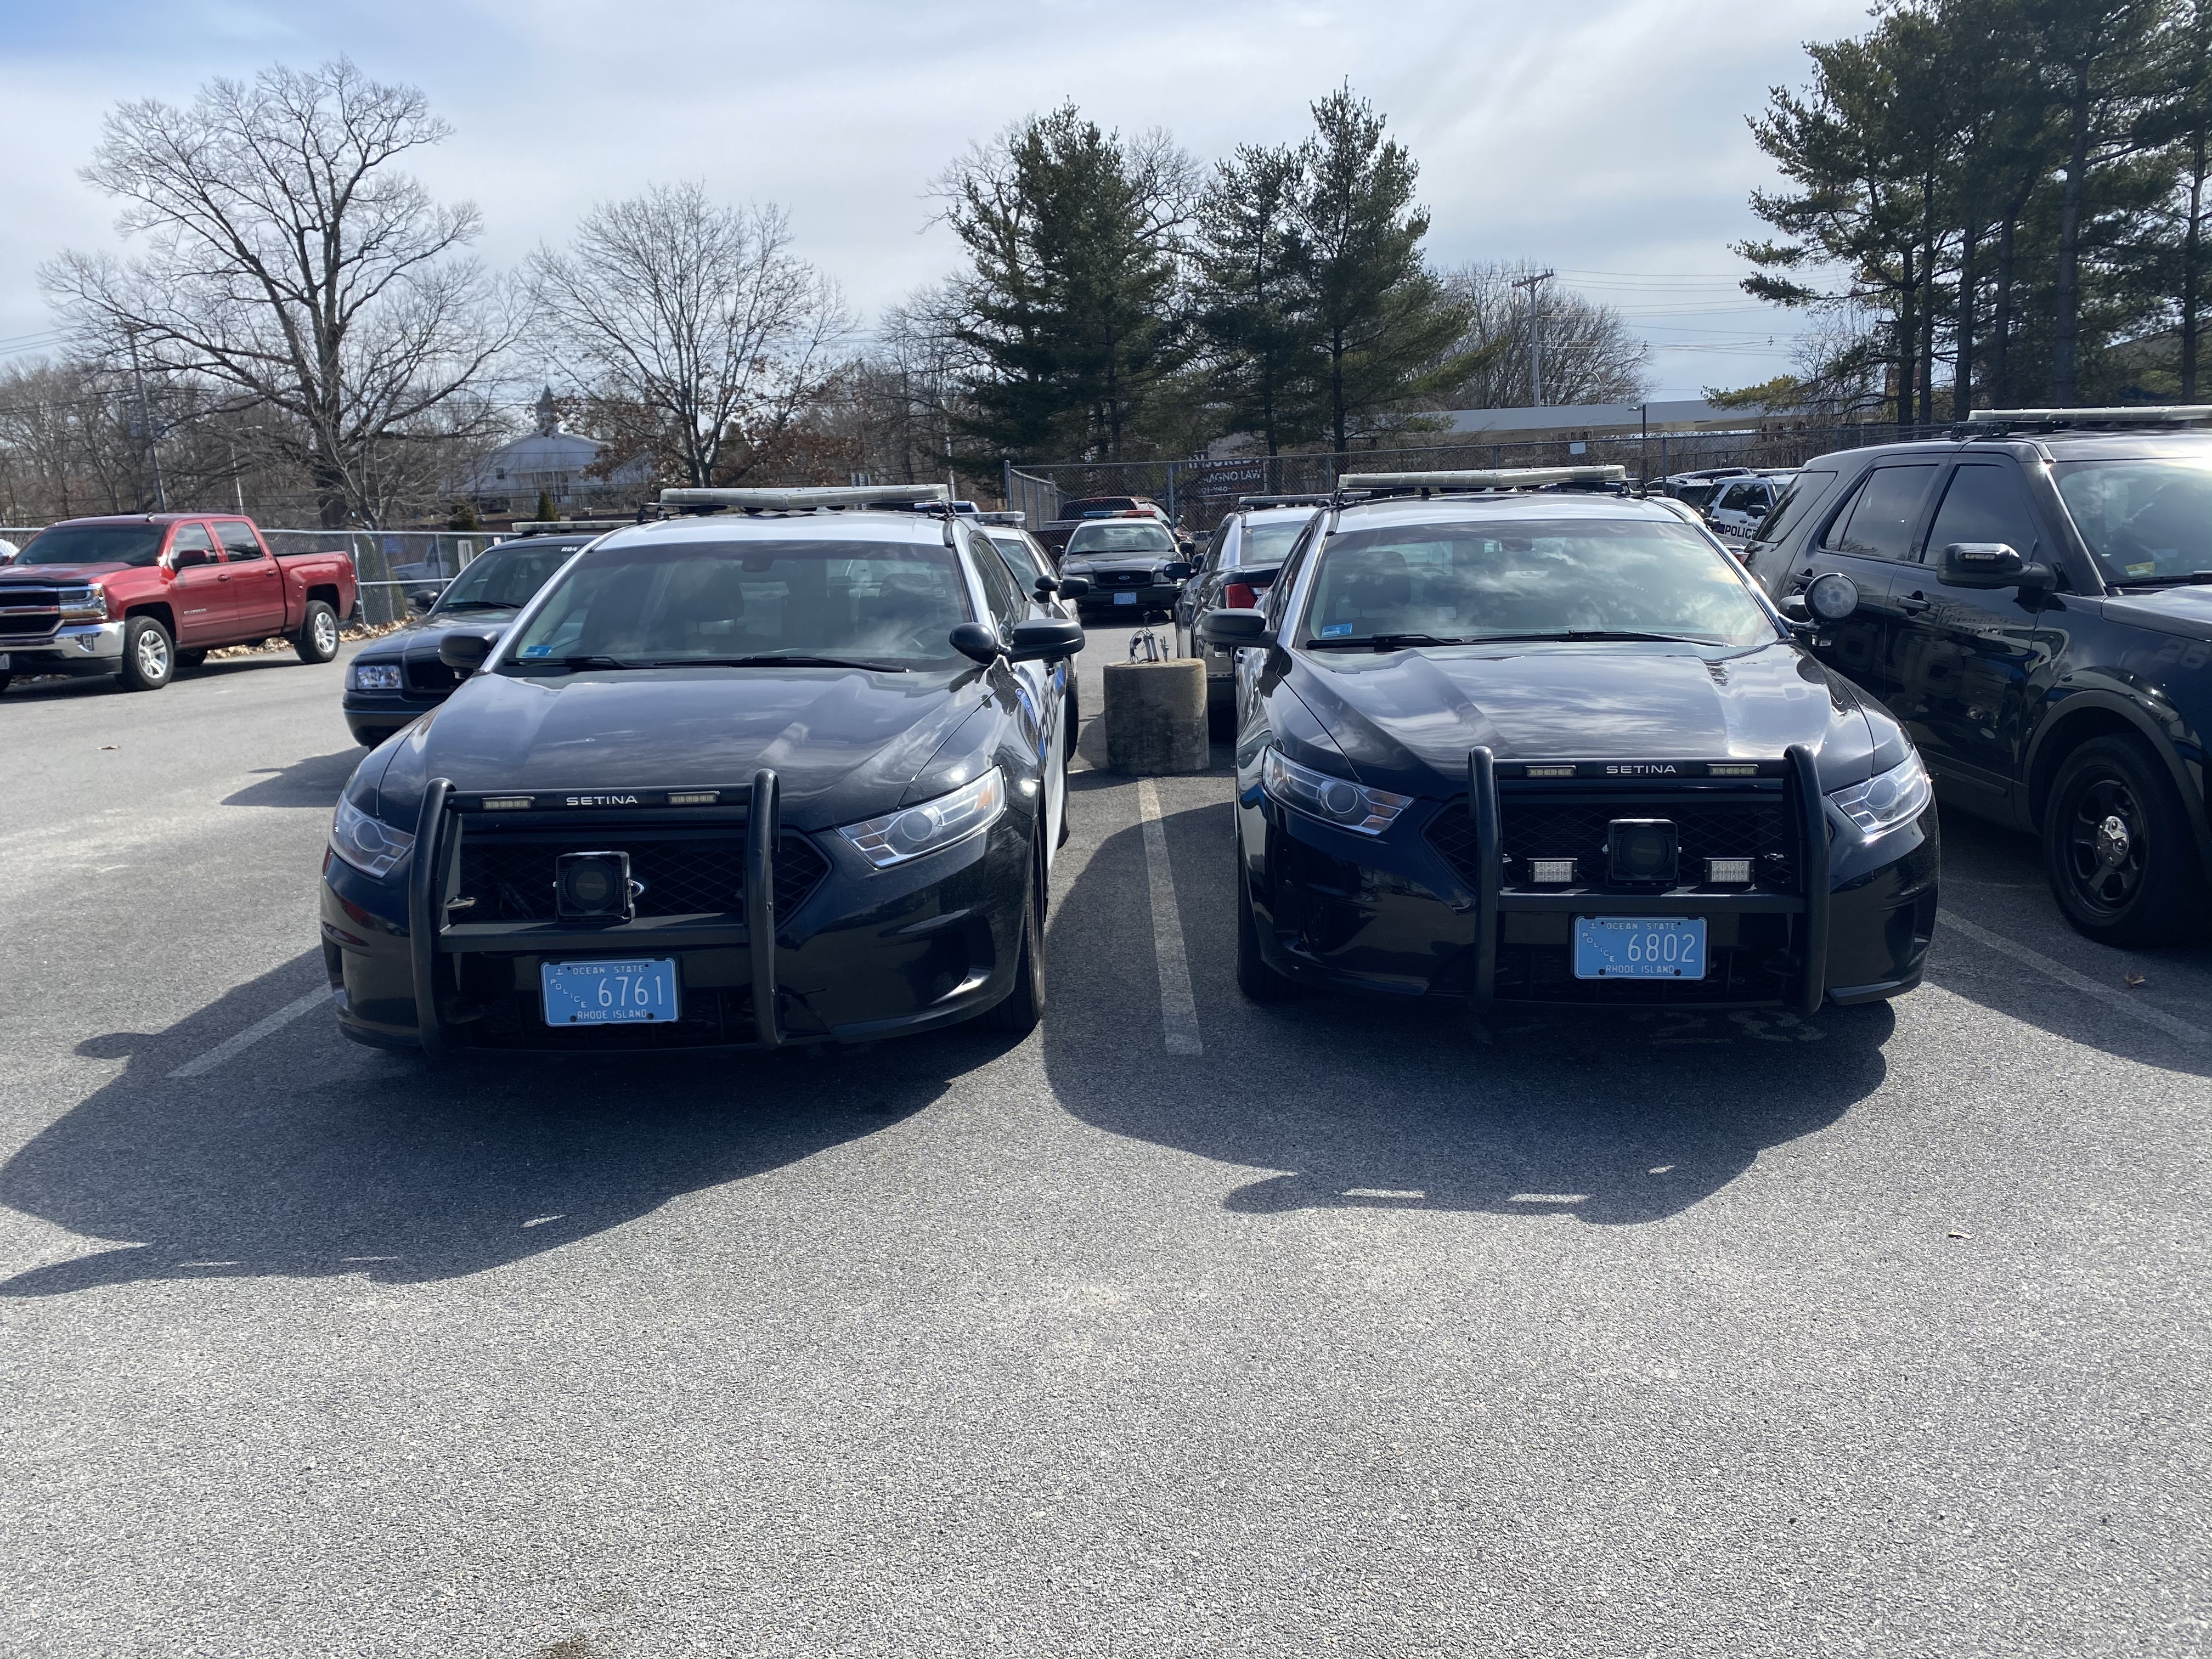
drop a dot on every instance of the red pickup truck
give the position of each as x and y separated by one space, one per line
141 596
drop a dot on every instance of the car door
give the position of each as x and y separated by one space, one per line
1867 538
257 585
1962 659
199 594
1738 508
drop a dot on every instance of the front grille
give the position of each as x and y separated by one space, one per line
429 674
511 876
1124 579
27 610
1756 827
1546 973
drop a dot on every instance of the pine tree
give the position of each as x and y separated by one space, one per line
1254 300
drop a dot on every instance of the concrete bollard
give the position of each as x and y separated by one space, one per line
1156 716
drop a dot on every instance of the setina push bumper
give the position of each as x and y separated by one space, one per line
1732 883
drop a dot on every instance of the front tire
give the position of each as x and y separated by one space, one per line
318 638
1255 978
1021 1010
2117 850
149 657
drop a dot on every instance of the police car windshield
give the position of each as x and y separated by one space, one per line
705 602
2145 519
1131 536
504 577
1463 583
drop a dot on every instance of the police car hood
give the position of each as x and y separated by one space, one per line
845 744
1406 719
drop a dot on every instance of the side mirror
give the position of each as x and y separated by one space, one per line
1989 564
188 558
1235 628
1794 608
1045 639
1179 571
1045 587
422 599
975 642
1832 597
1074 588
465 652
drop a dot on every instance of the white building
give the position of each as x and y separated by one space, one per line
554 462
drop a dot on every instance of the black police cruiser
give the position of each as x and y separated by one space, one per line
397 678
786 768
1132 563
1523 745
1237 565
2034 602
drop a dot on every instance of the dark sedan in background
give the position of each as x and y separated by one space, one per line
398 678
1135 568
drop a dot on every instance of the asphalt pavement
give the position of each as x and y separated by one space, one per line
1182 1326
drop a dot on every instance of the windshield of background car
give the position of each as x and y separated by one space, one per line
136 545
1130 535
1474 581
2143 518
1268 543
671 603
1014 547
503 577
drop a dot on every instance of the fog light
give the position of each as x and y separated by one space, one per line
593 886
1551 872
1728 872
1641 850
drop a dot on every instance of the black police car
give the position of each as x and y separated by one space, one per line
1535 746
1237 565
1134 564
399 677
791 772
2034 604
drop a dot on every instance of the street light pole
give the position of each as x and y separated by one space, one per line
1535 283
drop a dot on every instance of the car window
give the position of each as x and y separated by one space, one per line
1268 544
1879 524
1735 498
1983 503
1014 547
239 542
1126 536
135 544
504 577
891 602
2142 519
1278 599
1470 581
192 539
1007 604
1800 498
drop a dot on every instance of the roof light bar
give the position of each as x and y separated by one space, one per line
1503 477
801 500
569 527
2141 415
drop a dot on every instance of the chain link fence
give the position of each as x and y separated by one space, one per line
389 564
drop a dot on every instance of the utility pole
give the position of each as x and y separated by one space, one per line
146 427
1535 283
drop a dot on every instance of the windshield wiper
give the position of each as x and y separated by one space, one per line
1383 642
526 663
477 605
1599 633
2192 578
772 660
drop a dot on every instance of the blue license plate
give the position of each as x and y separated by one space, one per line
1125 598
636 992
1639 947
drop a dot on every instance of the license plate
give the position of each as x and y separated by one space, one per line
1639 947
640 992
1125 598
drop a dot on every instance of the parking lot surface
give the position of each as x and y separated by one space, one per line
1184 1326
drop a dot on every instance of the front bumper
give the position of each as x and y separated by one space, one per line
1395 915
864 954
1102 604
372 716
75 648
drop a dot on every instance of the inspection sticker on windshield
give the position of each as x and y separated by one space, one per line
641 993
1335 630
1639 947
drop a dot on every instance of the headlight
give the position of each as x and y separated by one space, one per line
376 677
1887 798
370 845
912 830
1334 800
84 604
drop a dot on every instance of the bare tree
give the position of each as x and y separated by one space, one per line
697 335
289 261
1588 354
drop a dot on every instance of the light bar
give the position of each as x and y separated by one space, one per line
1536 771
1552 873
694 797
2145 414
798 500
1496 477
506 803
1728 872
557 527
1017 519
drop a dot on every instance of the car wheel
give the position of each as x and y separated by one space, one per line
318 638
1017 1014
1257 981
148 659
192 659
2118 848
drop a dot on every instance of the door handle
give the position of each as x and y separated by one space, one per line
222 579
1914 605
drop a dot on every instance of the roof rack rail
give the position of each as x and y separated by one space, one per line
810 498
1244 502
1486 478
569 526
2116 416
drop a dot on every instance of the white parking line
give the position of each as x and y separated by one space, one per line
1178 1008
2178 1029
252 1034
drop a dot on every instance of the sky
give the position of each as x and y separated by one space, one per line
1606 140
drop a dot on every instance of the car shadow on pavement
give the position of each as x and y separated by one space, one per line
305 1156
1615 1118
317 780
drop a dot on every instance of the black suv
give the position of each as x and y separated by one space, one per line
2035 607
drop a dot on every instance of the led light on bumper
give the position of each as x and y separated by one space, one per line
376 677
1887 798
1334 800
370 845
913 830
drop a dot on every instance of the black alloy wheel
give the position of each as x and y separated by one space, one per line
2117 847
1255 978
1018 1013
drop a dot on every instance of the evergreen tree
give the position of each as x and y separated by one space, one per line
1254 301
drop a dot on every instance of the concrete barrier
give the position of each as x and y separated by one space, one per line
1156 717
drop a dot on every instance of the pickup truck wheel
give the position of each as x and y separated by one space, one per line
2117 847
318 638
149 660
192 659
